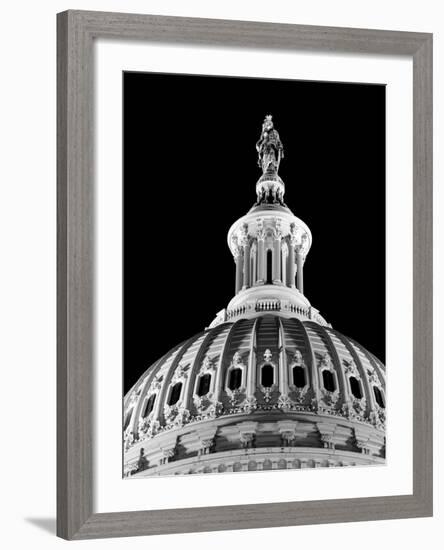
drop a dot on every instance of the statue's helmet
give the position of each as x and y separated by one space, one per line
268 123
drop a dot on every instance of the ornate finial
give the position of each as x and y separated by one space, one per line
270 187
269 147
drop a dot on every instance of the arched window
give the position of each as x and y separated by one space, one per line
203 387
235 379
355 387
176 390
149 405
299 376
328 380
269 267
267 376
378 396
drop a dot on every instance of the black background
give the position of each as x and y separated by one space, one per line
190 171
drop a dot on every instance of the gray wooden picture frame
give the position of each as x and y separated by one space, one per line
76 32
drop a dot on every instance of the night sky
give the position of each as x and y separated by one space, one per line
190 171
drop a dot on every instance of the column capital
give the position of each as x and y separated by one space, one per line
237 252
244 238
278 228
260 233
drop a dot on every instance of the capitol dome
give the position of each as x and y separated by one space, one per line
269 384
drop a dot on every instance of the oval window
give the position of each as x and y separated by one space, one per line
267 376
176 390
235 379
328 380
299 377
355 387
149 405
204 385
378 397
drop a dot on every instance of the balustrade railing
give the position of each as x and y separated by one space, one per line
270 305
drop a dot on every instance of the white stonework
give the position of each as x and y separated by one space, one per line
270 384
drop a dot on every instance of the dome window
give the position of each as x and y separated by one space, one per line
355 387
378 396
267 376
235 379
203 386
269 267
328 380
299 376
176 390
149 405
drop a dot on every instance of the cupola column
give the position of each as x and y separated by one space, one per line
253 274
247 282
261 257
277 260
291 265
299 272
239 269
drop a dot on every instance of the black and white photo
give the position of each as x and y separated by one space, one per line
268 353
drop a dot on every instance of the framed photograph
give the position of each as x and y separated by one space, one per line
244 274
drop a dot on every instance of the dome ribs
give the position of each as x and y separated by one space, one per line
188 361
201 353
251 382
318 342
145 383
375 360
241 336
216 346
158 413
149 374
267 352
224 361
354 356
320 348
311 360
295 337
322 344
238 341
283 369
368 360
267 336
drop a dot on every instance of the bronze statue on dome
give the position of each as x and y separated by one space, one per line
269 147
